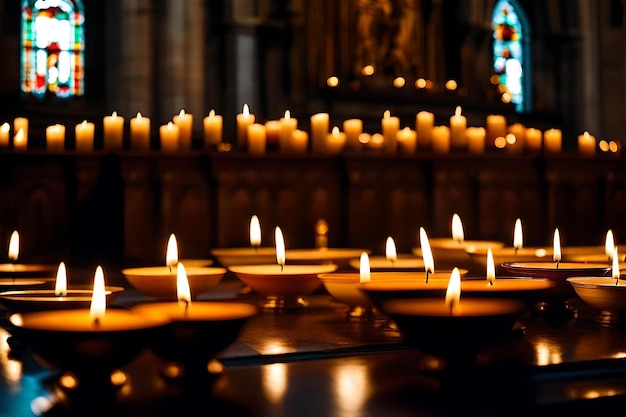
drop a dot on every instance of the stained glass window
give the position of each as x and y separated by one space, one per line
510 61
52 48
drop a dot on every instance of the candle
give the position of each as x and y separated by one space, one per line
353 128
475 139
272 134
424 122
5 131
299 141
113 132
458 125
20 141
319 132
255 232
21 123
336 141
376 143
249 255
586 144
609 244
140 132
84 136
533 139
427 255
457 229
519 132
55 138
13 269
496 127
288 126
390 126
213 126
257 138
244 119
407 139
441 139
518 238
184 121
556 250
168 135
552 141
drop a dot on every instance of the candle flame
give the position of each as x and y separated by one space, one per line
586 134
364 268
609 244
14 246
280 246
19 136
98 298
182 285
60 287
212 113
5 127
139 115
518 238
457 111
556 255
615 269
84 123
170 125
491 267
390 249
386 114
255 231
171 255
182 112
114 114
427 254
453 292
287 115
246 110
335 131
457 228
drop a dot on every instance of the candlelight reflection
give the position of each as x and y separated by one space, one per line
548 353
351 388
275 381
11 369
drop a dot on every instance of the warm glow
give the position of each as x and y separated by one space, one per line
453 292
614 146
506 98
98 298
457 112
491 267
275 381
182 113
19 137
609 244
511 139
114 114
212 113
335 131
390 249
518 238
556 254
367 70
287 115
332 81
14 246
499 142
364 138
364 268
427 254
604 145
457 228
451 85
139 116
280 246
183 293
351 388
60 287
420 83
5 128
171 256
246 110
495 79
399 82
386 114
255 231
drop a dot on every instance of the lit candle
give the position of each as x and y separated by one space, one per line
556 252
427 254
390 126
376 143
299 141
458 125
213 127
279 241
441 139
257 138
518 238
255 232
496 127
390 250
84 136
586 144
184 121
244 119
519 132
407 139
353 128
534 139
272 134
288 126
168 134
55 138
5 131
491 268
319 132
171 251
609 244
552 141
336 141
475 139
140 132
21 123
14 246
20 141
457 229
424 123
364 268
113 132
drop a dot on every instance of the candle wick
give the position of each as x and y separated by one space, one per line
170 266
490 282
186 307
452 308
282 266
256 248
557 264
516 249
96 321
427 275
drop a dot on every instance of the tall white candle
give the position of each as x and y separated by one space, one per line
475 139
84 133
244 119
299 141
424 122
441 139
407 140
213 127
288 125
552 140
586 144
257 138
353 128
5 131
55 138
21 123
113 132
496 127
336 141
184 121
140 132
533 139
458 124
319 132
390 126
168 135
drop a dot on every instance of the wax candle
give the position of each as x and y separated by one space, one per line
20 141
424 122
475 139
496 127
552 140
533 139
272 134
586 144
336 141
257 138
390 126
319 131
519 132
84 133
407 140
375 143
55 137
353 128
5 131
113 132
168 134
288 125
140 132
441 139
213 127
21 123
244 119
458 125
184 121
299 141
